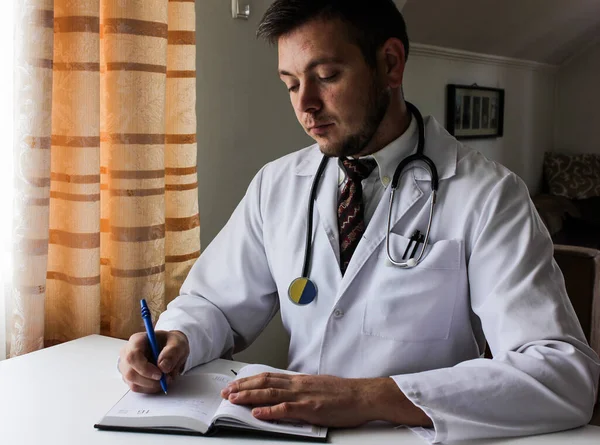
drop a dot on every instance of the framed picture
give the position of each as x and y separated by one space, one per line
474 112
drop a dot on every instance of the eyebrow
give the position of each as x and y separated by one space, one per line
314 64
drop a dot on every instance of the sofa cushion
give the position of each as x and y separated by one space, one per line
554 209
577 232
573 176
589 210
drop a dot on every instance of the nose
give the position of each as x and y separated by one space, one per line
309 99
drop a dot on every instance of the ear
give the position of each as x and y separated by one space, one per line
394 60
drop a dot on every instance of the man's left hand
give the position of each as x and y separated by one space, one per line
320 400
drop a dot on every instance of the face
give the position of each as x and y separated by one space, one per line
339 100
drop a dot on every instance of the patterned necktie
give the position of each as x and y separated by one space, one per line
351 217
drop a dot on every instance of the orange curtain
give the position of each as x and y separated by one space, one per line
105 166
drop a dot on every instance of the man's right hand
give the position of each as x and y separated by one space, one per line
135 365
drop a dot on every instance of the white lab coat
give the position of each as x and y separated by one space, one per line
488 274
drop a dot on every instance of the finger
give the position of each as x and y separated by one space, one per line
143 389
273 375
133 378
177 369
174 374
268 396
174 354
133 357
281 411
260 381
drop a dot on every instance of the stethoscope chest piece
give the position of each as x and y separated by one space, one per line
302 291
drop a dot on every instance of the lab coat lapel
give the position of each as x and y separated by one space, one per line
442 149
407 195
327 195
327 198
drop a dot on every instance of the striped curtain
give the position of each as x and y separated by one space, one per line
106 208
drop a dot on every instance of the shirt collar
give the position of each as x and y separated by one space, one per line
440 147
391 155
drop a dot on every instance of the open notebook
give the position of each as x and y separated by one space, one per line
194 406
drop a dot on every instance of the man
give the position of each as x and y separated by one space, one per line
380 342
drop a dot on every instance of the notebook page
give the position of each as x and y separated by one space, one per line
230 414
196 397
250 370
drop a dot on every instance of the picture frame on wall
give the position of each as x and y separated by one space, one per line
474 112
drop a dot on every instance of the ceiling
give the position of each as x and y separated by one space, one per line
546 31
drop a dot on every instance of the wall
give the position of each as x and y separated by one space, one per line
244 115
3 319
529 102
245 119
577 122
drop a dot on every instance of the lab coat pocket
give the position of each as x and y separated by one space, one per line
415 304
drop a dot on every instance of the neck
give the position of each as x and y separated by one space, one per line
395 122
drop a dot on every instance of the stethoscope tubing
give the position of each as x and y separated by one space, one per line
411 262
311 207
419 156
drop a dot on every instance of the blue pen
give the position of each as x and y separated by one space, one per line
147 317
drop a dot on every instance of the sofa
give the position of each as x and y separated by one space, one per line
570 202
581 268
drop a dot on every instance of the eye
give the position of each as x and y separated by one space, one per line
329 78
293 88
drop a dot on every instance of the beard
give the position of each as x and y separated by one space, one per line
379 99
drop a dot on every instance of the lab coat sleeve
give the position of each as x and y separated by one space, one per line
543 376
229 295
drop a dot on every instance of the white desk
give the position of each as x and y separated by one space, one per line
55 396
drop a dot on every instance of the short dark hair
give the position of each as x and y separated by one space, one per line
370 22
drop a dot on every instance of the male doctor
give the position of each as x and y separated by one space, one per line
380 342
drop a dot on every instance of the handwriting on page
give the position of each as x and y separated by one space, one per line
140 412
221 379
189 396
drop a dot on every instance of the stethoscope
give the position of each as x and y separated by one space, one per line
302 290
